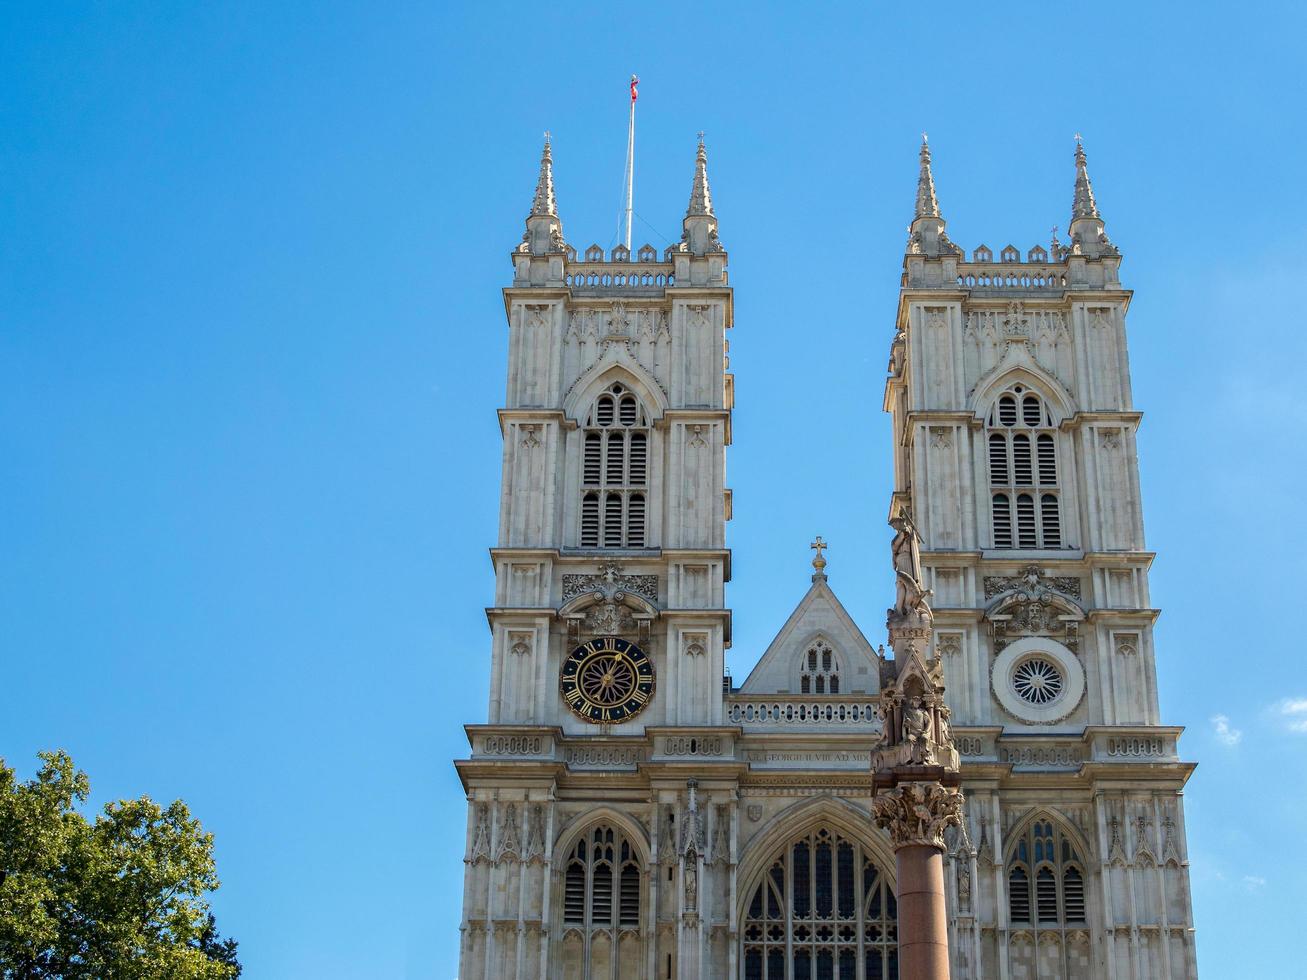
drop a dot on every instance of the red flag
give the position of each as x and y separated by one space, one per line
634 82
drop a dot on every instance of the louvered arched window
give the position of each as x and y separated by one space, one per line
601 907
819 671
615 472
1025 492
1046 879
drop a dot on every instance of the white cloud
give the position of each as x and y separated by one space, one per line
1293 712
1253 882
1224 733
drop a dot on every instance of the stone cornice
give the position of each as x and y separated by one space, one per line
527 414
1139 617
1119 417
533 293
509 772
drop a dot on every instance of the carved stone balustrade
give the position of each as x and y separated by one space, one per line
804 713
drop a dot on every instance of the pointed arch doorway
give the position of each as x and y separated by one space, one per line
823 909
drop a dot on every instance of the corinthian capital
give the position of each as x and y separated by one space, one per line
918 813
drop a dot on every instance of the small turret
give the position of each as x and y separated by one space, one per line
544 229
700 235
1088 234
927 234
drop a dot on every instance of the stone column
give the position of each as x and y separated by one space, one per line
916 814
915 765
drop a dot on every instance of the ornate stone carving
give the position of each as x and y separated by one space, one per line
940 437
935 317
1115 849
608 617
692 822
1127 644
535 835
918 813
536 315
1109 438
696 644
610 580
691 880
667 840
1032 583
529 440
519 644
696 437
481 834
1170 852
692 745
950 644
512 745
1051 756
604 756
964 885
754 812
508 843
721 847
984 853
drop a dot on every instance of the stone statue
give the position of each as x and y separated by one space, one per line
916 732
691 882
910 596
964 885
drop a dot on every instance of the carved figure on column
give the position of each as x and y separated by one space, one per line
910 600
916 732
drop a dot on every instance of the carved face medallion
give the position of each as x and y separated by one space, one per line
607 680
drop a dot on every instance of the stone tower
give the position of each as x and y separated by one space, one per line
633 814
1014 436
609 623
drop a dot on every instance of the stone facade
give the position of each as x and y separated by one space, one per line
631 814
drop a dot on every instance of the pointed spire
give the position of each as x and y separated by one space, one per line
927 203
700 224
544 205
1088 235
700 196
1084 205
927 234
544 229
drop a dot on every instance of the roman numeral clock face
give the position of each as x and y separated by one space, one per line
607 680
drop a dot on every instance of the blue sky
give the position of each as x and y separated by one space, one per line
252 344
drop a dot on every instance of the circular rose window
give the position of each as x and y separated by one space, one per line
1038 681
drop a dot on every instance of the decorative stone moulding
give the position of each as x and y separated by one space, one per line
1004 680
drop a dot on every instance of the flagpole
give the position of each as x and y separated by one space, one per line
630 162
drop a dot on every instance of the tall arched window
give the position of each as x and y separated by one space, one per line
1025 495
1046 888
602 891
823 911
615 471
819 671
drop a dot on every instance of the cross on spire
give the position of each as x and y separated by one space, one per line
819 561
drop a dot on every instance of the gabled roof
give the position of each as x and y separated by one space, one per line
819 613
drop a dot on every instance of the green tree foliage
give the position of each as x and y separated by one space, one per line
120 898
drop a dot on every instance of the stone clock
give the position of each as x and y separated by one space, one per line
607 680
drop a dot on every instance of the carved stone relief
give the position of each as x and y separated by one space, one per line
918 813
481 834
609 580
508 843
1033 583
